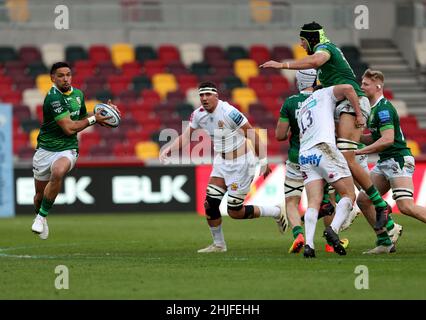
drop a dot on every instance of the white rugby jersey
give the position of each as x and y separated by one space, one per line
222 125
316 119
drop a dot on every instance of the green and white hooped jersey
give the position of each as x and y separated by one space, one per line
56 106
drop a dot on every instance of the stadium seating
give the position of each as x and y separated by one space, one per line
164 83
298 51
52 52
75 53
245 68
157 89
122 53
420 50
190 53
147 150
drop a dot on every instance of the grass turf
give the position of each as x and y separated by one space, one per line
153 256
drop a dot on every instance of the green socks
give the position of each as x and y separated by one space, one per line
383 239
46 205
375 197
296 231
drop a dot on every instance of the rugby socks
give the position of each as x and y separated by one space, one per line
311 218
383 239
343 209
270 211
46 205
375 197
390 224
217 235
296 231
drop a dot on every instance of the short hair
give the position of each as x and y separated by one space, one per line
374 75
58 65
207 84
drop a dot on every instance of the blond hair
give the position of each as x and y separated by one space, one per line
374 75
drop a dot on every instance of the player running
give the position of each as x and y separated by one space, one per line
64 114
233 166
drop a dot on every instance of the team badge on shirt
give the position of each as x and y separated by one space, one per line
234 186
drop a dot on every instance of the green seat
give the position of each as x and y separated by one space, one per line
141 83
75 53
143 53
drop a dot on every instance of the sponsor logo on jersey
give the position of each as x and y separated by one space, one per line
234 186
384 116
312 159
56 105
78 100
236 116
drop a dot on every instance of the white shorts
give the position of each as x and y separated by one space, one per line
238 173
293 183
43 161
345 107
323 161
363 162
391 168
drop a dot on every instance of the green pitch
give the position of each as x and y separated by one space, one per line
153 256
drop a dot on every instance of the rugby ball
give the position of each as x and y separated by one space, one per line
108 111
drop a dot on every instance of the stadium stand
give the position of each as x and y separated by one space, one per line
156 87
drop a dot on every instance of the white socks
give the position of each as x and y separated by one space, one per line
217 235
270 211
311 218
343 210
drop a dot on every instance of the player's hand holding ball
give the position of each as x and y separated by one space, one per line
107 114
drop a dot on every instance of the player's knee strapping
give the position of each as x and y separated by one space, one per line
235 201
345 145
214 197
402 193
293 188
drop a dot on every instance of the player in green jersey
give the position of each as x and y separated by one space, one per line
396 165
333 69
64 114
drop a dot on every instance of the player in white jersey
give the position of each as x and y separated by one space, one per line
320 160
234 163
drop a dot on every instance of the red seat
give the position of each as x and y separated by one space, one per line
118 83
99 53
213 52
29 54
20 139
259 53
13 97
131 69
187 81
153 67
150 96
388 94
90 138
168 53
123 150
280 53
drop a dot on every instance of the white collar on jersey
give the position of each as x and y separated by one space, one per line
378 100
